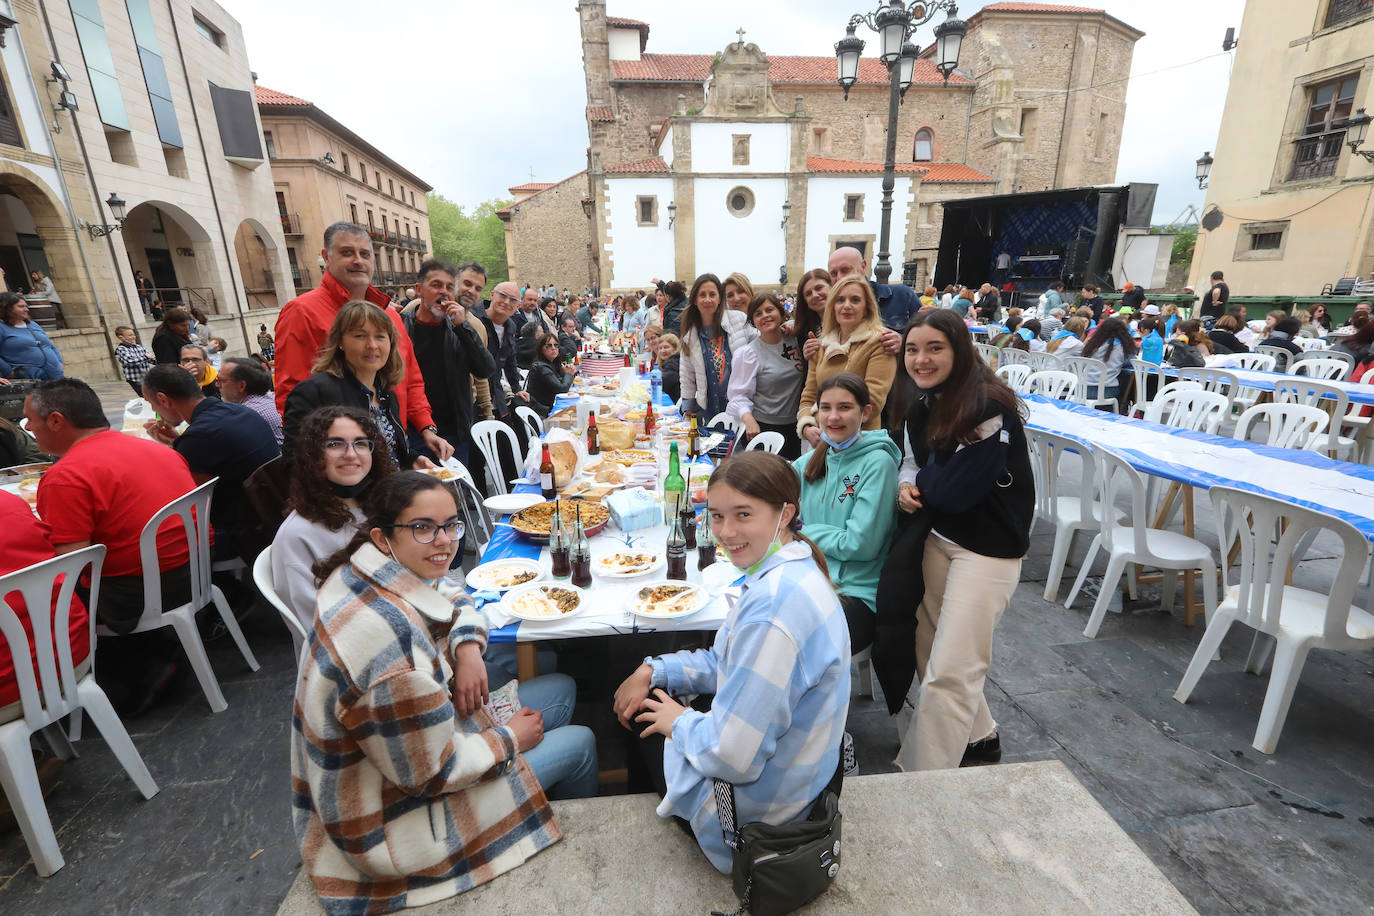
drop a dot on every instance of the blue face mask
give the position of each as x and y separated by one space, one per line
841 446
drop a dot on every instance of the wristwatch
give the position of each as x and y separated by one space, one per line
431 428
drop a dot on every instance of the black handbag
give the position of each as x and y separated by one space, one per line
777 869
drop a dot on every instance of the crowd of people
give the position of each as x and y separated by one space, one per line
894 518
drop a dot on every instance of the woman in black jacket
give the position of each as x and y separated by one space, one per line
1223 336
173 334
967 489
549 375
358 366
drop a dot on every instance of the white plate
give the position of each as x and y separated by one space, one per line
510 503
720 575
510 603
597 567
485 577
686 607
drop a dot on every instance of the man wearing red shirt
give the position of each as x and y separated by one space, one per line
304 324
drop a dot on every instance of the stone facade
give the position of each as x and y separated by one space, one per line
547 236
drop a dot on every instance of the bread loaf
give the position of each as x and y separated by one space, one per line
614 434
564 456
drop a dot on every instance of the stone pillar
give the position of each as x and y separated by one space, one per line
798 187
684 197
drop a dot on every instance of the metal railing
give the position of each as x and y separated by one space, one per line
202 297
1316 157
291 224
301 277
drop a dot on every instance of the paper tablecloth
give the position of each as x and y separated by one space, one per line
1357 392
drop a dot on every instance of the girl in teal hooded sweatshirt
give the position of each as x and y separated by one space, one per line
847 509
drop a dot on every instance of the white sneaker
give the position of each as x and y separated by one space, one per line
851 762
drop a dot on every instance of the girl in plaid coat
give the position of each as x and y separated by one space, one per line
405 788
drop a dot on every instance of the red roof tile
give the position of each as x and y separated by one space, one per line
929 171
620 22
600 113
656 164
267 96
696 68
1038 8
531 186
953 171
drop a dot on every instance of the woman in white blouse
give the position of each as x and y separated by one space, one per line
767 378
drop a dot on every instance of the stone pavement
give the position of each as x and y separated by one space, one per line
1233 830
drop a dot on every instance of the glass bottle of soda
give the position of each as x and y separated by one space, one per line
580 554
706 542
649 419
546 473
674 488
559 552
593 437
689 516
677 548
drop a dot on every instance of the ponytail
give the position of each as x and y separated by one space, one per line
815 468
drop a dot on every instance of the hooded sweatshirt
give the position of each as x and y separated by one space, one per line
851 512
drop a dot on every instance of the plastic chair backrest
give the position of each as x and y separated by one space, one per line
1041 361
193 511
988 352
1010 356
1280 355
768 440
1047 450
533 422
724 419
52 694
1188 408
1289 425
1218 380
262 578
1093 380
1016 375
1266 559
487 434
1115 476
1258 362
1322 368
1052 383
1143 370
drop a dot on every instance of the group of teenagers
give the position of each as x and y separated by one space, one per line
901 535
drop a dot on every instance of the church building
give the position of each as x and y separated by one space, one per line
751 162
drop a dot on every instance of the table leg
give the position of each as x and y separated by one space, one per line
1189 577
526 661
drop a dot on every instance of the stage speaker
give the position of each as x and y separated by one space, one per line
1140 205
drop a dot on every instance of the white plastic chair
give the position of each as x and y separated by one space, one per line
193 510
1299 389
262 578
1017 375
1093 381
1188 408
1052 383
1134 542
1143 370
1040 361
1258 362
1280 356
532 421
1298 619
487 435
724 419
1068 514
1288 425
1218 380
988 352
63 691
768 440
1319 355
1320 367
1010 356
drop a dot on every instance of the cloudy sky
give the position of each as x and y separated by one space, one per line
475 96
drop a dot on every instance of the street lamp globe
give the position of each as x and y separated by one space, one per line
847 51
891 24
949 37
1204 168
907 66
1357 128
117 207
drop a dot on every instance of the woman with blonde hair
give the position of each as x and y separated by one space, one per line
739 292
1068 340
851 341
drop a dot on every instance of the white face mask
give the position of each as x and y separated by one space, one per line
773 546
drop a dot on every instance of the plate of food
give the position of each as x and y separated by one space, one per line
626 563
533 522
502 575
667 600
590 490
540 602
440 473
629 456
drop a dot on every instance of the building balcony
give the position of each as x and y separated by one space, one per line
1317 157
377 235
291 224
300 276
391 238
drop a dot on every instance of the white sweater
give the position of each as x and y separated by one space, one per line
298 544
738 333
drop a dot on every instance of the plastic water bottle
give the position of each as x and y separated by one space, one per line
655 384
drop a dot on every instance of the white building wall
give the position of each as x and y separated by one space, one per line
825 199
713 146
755 244
624 43
665 146
28 108
637 253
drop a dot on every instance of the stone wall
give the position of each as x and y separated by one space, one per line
550 239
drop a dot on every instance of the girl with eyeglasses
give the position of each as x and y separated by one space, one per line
406 789
340 454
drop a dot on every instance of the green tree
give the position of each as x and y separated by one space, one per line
480 237
1184 243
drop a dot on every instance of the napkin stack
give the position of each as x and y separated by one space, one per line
633 508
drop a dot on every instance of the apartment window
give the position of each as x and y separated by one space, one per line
207 31
345 161
267 142
391 187
353 213
402 198
923 150
1100 141
646 211
379 179
1343 10
362 172
95 48
154 71
1261 241
739 149
853 207
412 198
1318 149
9 125
370 224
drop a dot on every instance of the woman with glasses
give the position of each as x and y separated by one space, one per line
340 454
549 375
407 789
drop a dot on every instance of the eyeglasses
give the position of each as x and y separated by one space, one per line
191 359
425 532
506 296
337 448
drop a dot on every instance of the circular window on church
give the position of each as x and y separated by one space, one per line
740 202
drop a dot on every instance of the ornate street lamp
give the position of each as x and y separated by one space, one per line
1204 168
1356 130
895 23
118 209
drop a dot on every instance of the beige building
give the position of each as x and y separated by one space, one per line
1003 123
322 173
1295 203
149 103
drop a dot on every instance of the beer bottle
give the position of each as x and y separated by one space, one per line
593 437
692 435
546 474
677 547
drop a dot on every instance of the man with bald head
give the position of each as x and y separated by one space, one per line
497 321
896 302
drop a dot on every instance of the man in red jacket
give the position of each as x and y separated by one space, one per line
304 323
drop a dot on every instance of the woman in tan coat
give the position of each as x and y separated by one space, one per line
851 341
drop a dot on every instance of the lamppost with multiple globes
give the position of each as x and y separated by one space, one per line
895 23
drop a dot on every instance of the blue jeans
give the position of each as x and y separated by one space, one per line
564 762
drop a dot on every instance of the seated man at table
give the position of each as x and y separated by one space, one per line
103 489
195 359
228 441
243 380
